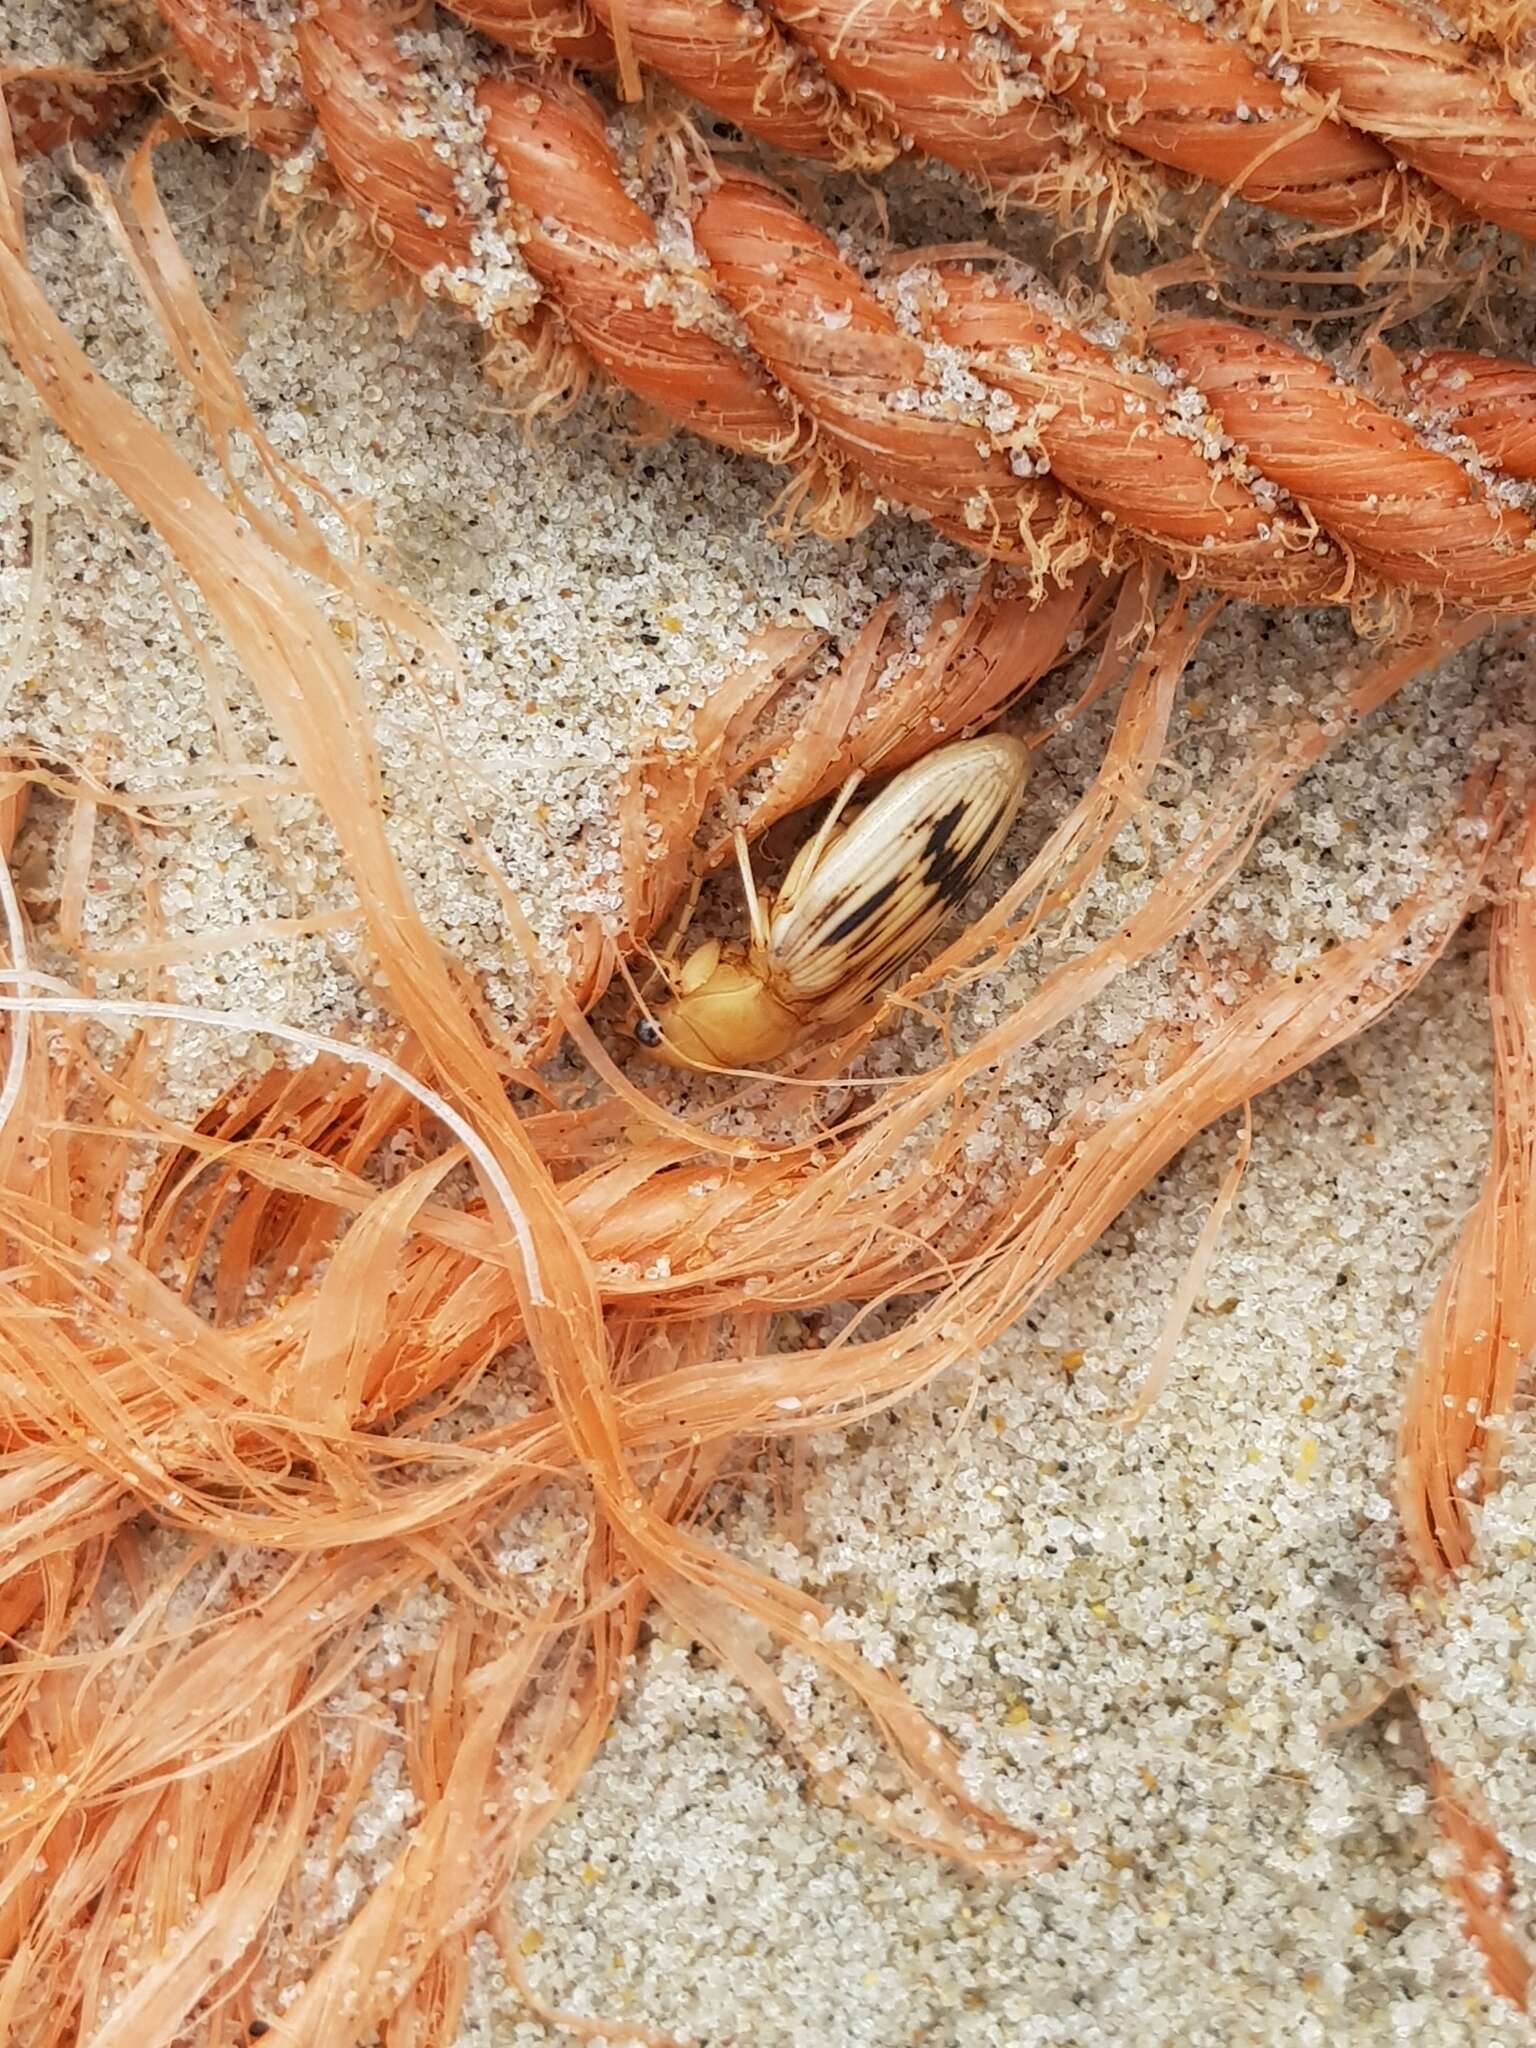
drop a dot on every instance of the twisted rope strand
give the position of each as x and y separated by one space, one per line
359 86
843 355
964 393
978 100
931 84
247 66
1313 121
1154 82
1357 117
1488 400
1367 475
550 137
738 62
1407 513
566 30
926 76
1314 115
384 144
1438 105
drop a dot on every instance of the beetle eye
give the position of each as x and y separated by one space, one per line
648 1032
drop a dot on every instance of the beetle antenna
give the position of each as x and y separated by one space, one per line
658 972
648 1031
685 918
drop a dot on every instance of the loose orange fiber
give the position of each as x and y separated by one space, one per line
1481 1331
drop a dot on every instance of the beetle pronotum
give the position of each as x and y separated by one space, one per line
859 900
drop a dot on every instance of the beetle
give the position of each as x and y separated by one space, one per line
860 898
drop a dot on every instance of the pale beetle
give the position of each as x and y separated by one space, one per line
860 898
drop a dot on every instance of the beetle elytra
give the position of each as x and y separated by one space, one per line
860 898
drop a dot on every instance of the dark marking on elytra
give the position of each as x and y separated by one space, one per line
949 873
863 910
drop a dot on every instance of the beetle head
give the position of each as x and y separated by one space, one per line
721 1013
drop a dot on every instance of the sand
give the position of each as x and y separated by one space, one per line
1144 1641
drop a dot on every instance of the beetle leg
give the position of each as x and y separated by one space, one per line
698 967
756 916
664 963
803 867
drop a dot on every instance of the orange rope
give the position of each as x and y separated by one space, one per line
956 389
239 56
1436 104
1195 100
1491 401
542 28
1314 113
1362 118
